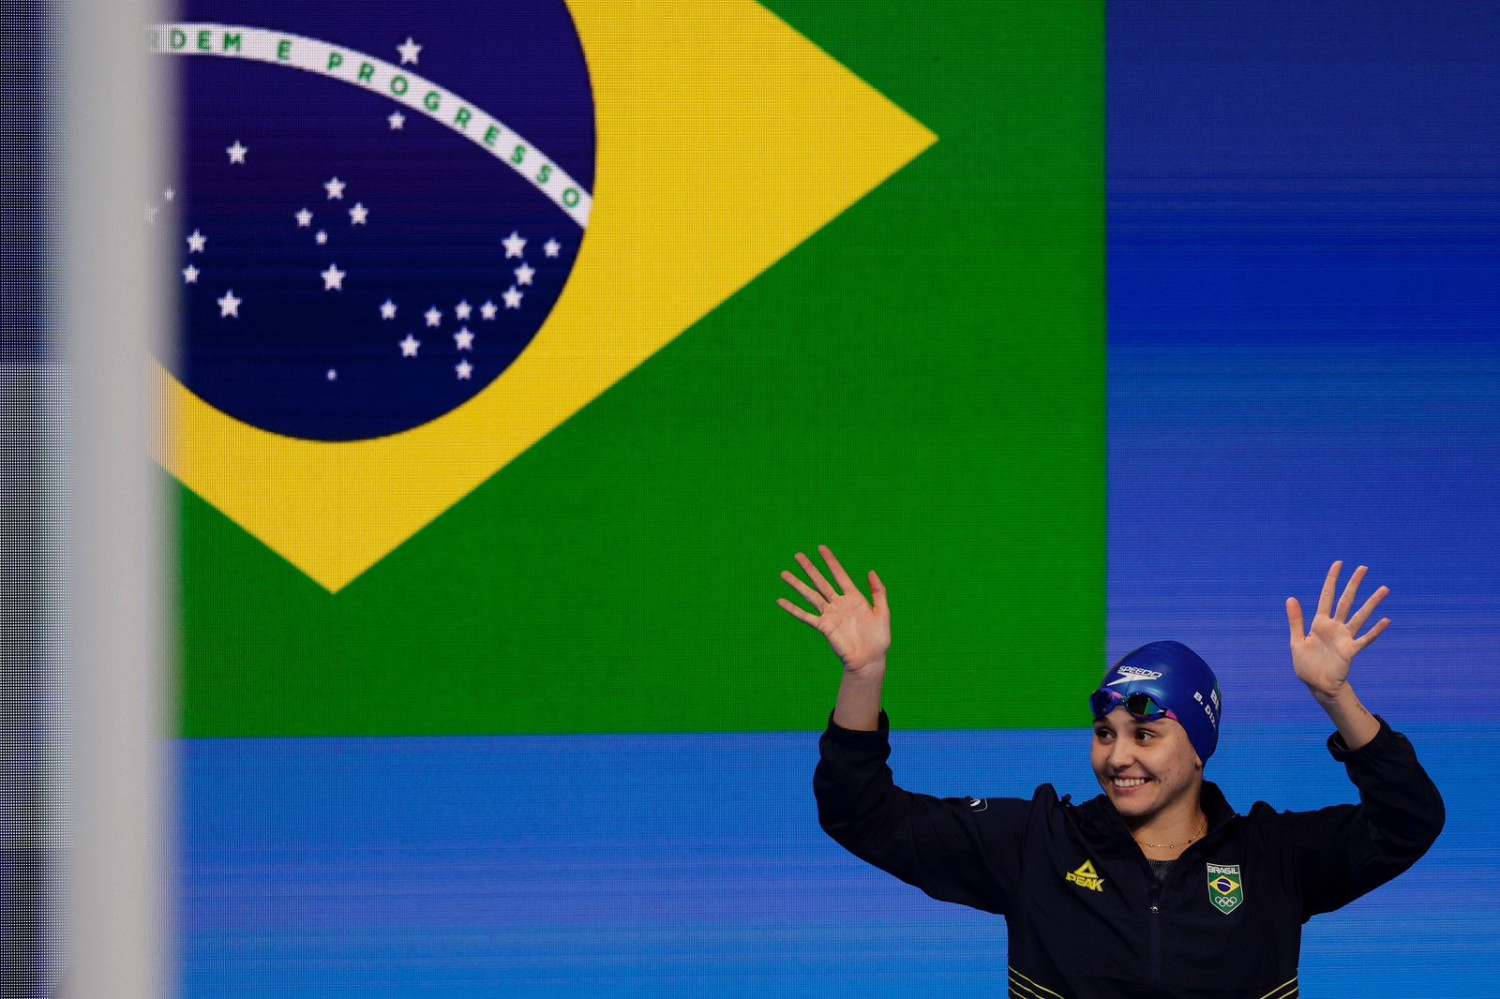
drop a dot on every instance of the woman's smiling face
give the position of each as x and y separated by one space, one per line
1145 767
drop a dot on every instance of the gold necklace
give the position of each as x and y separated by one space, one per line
1172 846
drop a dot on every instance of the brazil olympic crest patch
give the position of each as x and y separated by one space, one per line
1226 889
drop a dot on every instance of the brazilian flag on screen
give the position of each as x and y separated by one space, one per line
524 344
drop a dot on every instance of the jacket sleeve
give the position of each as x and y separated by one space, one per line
964 850
1344 851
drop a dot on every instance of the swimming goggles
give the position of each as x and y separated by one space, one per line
1142 706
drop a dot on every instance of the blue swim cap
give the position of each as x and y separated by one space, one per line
1178 679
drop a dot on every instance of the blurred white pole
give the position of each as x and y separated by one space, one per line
112 126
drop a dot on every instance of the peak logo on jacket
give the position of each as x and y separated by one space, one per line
1086 877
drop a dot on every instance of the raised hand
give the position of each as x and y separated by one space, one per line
1322 655
859 633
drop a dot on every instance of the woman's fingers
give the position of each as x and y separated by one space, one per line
1294 620
1330 585
1347 600
808 593
839 575
811 620
824 587
1361 644
1340 614
825 599
1358 620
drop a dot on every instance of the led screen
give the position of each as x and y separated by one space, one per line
1086 324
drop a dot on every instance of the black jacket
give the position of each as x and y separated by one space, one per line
1087 918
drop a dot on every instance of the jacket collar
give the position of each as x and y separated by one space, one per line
1100 820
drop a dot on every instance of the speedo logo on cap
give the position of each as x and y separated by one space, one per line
1130 674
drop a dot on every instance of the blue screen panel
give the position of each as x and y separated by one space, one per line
686 865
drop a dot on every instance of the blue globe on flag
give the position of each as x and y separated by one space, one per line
376 218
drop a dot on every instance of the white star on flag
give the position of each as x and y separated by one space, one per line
229 305
335 189
197 242
333 278
463 309
514 244
358 214
321 237
190 274
464 369
397 119
433 316
551 247
169 194
304 219
464 339
333 375
525 273
388 309
512 298
487 310
236 152
409 346
408 50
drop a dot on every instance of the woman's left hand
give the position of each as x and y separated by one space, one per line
1322 655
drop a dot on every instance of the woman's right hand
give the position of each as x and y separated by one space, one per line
859 633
